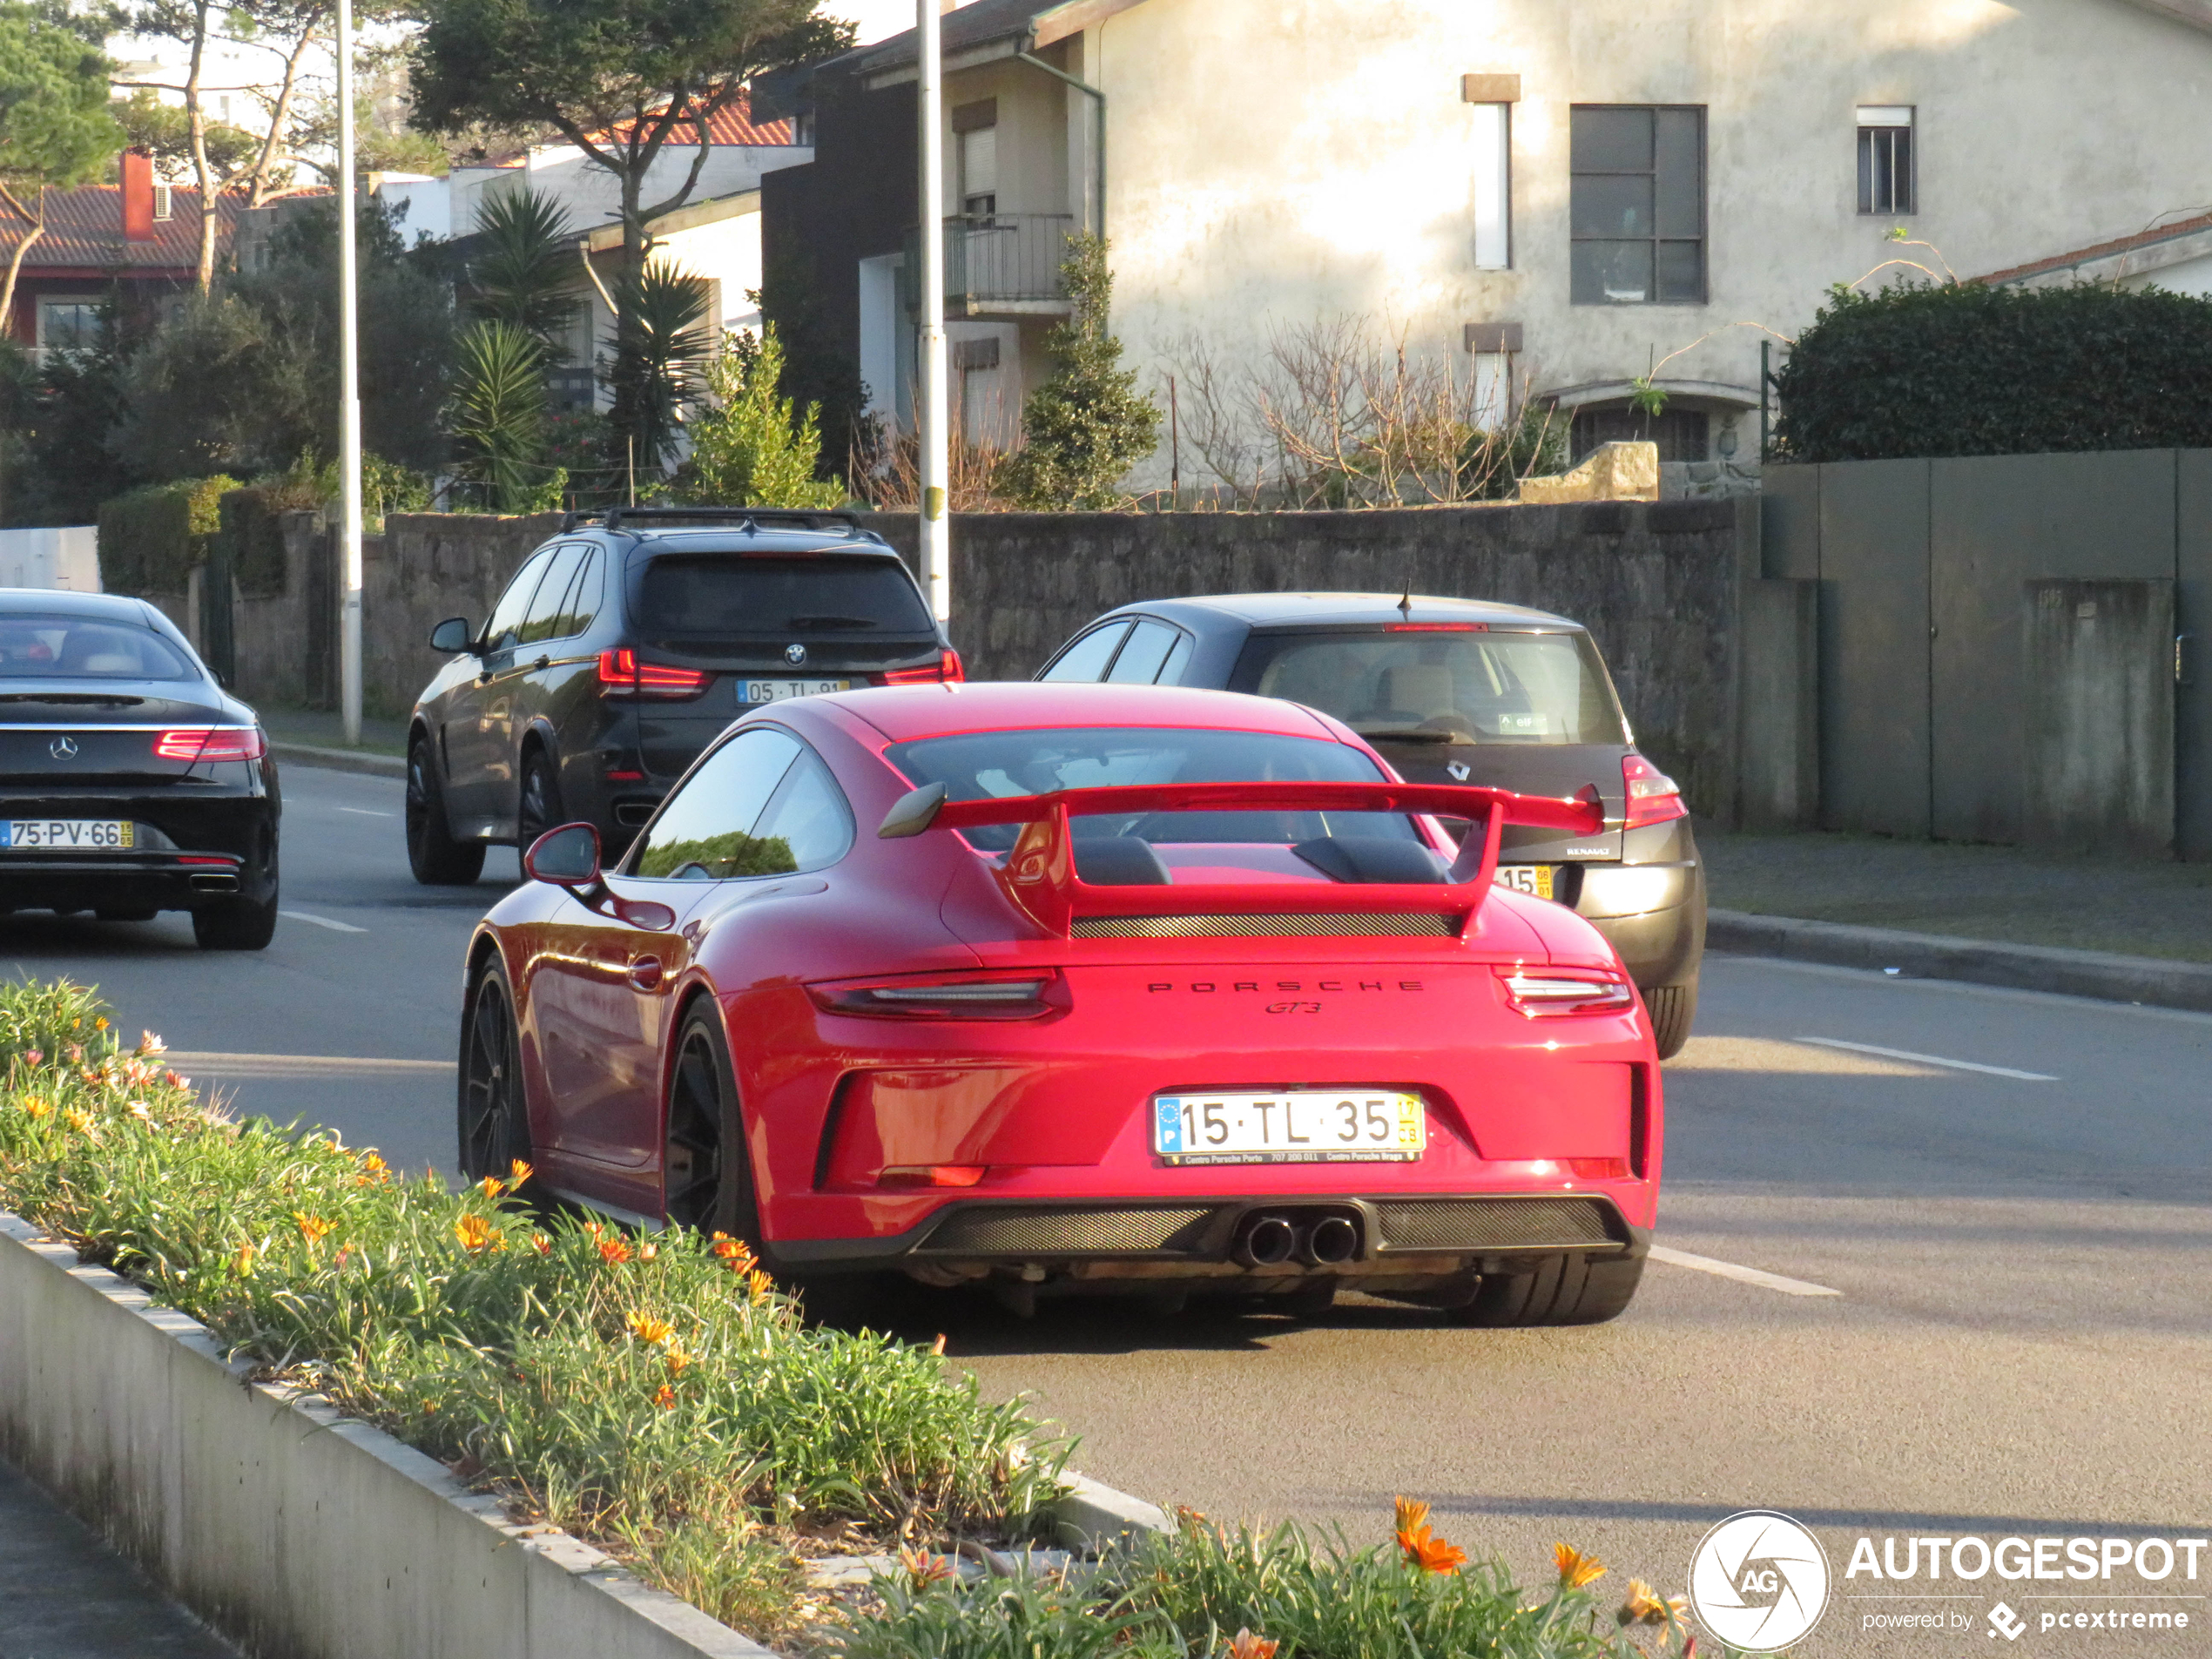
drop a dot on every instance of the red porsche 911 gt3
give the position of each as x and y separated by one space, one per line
1078 987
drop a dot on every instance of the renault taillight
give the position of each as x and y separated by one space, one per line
1652 797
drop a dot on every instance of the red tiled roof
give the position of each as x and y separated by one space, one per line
84 227
2103 250
731 124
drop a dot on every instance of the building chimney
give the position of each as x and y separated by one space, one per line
138 196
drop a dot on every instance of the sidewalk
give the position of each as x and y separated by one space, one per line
325 729
1998 894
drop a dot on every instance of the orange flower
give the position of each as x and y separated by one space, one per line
677 1360
1412 1515
491 1186
646 1328
1646 1606
923 1569
100 1024
541 1244
35 1108
1422 1548
758 1285
373 1171
474 1232
615 1251
313 1228
79 1121
733 1253
647 1251
242 1262
1246 1644
1576 1570
664 1397
518 1172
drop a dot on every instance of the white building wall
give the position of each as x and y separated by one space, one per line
65 557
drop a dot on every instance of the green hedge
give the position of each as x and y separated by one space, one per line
251 532
1963 369
151 538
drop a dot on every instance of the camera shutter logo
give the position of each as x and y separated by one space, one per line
1759 1581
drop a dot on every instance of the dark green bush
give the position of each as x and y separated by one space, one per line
252 533
1963 369
151 538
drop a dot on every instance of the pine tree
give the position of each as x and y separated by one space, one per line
1088 424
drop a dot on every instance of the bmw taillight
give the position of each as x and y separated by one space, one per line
621 675
1542 992
945 670
1024 995
198 743
1652 797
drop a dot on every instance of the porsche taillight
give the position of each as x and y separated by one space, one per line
945 670
191 744
1652 797
1540 993
621 675
1014 995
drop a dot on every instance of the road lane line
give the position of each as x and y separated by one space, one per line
322 922
366 812
1736 1271
212 1063
1932 1060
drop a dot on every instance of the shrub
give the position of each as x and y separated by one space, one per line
750 446
151 539
1964 369
252 537
653 1391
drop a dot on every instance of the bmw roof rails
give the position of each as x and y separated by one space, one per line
747 518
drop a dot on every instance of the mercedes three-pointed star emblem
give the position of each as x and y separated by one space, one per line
62 748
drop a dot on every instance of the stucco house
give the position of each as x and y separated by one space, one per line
1551 197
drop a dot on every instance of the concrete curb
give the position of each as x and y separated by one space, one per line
1092 1515
290 1527
2103 974
308 754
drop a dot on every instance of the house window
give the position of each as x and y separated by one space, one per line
1638 207
1885 160
975 138
1491 98
68 325
164 206
1682 434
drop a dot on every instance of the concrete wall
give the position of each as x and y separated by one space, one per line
65 557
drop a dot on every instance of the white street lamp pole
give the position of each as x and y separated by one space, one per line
349 408
936 567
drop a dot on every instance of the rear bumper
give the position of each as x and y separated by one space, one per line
203 845
152 882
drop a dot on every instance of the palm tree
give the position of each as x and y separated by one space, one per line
498 416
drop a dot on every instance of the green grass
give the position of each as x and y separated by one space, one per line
651 1393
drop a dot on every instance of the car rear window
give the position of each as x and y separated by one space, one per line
1460 686
80 648
995 764
720 595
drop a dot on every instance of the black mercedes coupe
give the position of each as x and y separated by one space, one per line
130 782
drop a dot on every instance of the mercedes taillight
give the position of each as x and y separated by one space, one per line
193 744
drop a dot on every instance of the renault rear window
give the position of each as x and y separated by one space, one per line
722 595
1441 686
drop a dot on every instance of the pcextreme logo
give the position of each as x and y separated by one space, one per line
1759 1581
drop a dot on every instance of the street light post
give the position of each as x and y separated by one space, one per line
936 571
349 409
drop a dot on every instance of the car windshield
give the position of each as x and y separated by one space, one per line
1441 686
84 648
721 595
993 765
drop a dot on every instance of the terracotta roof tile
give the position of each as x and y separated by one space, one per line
2097 251
84 227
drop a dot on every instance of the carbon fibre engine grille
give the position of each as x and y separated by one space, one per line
1262 926
1494 1223
1052 1233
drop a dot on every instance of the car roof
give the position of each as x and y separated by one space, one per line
69 602
1309 609
905 712
722 539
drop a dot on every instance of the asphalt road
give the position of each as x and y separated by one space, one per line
2017 1339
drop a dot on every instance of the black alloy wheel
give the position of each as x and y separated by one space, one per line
701 1093
540 808
495 1124
437 859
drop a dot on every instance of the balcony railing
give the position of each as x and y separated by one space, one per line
996 265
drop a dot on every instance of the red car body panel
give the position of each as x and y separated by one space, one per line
1055 1110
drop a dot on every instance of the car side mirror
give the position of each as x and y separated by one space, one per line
566 857
452 636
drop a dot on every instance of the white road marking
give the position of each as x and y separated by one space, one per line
322 922
1932 1060
213 1064
1736 1271
366 812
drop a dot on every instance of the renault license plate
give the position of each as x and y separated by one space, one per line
69 834
780 691
1291 1126
1526 877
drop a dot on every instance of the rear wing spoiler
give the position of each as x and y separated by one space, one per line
1040 877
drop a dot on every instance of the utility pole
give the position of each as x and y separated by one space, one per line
936 569
349 411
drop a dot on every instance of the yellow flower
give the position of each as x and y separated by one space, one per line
139 1109
313 1228
1646 1606
646 1328
242 1263
491 1186
677 1360
517 1173
758 1285
664 1397
474 1232
35 1108
1576 1570
100 1024
76 1120
375 1171
1413 1514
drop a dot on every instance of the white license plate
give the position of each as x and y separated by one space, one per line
1291 1126
80 834
1526 877
780 691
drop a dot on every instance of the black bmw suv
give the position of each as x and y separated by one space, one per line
1458 690
623 645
